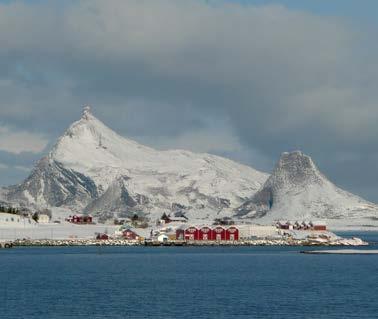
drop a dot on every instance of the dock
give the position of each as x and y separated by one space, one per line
342 252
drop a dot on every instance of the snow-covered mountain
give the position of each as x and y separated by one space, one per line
93 169
297 190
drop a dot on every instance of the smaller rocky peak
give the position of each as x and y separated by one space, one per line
87 114
295 168
296 161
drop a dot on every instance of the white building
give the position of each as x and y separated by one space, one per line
43 219
13 220
162 238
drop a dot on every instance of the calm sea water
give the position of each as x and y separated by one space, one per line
186 282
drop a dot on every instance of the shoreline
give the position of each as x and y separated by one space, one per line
176 243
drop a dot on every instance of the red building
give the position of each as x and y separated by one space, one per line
80 219
232 233
319 225
219 233
180 234
102 237
130 235
191 233
205 233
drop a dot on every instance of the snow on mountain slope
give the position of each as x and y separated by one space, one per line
92 168
297 190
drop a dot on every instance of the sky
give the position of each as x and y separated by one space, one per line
243 79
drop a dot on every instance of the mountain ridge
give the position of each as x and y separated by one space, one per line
92 169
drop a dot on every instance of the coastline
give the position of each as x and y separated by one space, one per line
178 243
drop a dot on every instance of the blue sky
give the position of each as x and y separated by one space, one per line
253 79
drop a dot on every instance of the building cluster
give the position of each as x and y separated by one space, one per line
80 219
207 233
167 219
171 231
302 225
123 233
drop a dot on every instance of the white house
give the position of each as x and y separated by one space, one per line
43 219
13 220
162 238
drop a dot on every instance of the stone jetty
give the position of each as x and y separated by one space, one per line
254 242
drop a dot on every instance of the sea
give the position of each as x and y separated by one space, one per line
187 282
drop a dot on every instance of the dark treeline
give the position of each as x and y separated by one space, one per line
9 210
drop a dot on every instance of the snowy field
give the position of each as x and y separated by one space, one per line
352 224
55 231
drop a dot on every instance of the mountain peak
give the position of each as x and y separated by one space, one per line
296 167
298 190
86 112
296 159
93 168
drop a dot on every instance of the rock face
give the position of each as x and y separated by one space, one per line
93 169
50 183
297 190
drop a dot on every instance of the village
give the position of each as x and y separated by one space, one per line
168 230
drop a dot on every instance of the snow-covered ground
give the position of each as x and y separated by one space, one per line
355 224
55 231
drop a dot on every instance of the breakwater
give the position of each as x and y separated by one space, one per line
253 242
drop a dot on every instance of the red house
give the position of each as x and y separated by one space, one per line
319 225
205 233
130 235
219 233
232 233
102 237
191 233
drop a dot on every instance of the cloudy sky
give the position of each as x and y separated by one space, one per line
243 79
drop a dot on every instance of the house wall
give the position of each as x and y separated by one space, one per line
191 233
205 233
232 233
219 233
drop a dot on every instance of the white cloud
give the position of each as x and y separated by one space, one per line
207 140
15 141
283 79
22 168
